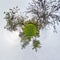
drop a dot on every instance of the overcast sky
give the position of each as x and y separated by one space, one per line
10 48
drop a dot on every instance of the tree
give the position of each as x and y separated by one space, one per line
29 28
44 13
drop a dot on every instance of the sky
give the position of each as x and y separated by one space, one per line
10 47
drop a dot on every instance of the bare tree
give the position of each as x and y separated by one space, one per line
46 12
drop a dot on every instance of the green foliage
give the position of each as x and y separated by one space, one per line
30 30
24 40
36 44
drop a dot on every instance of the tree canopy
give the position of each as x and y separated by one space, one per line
44 13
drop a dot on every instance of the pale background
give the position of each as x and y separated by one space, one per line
10 48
